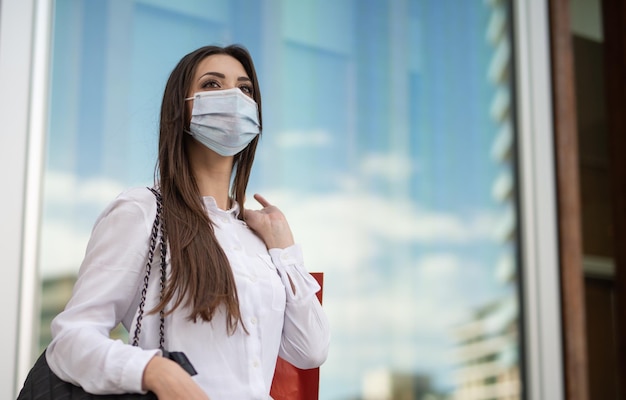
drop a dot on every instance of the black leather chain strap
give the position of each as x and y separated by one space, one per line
158 227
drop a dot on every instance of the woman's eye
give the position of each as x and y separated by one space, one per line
210 85
246 89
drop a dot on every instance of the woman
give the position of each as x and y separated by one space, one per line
237 293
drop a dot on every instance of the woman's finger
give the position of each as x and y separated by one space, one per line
261 200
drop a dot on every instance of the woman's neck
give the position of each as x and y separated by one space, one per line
212 173
214 186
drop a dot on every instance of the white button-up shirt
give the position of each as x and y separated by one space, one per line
279 320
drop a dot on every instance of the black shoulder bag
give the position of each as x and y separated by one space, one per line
42 384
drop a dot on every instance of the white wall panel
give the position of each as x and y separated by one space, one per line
16 23
24 46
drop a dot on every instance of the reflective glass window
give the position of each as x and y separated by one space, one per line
388 142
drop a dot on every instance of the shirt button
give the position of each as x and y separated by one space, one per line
253 320
253 279
255 364
237 247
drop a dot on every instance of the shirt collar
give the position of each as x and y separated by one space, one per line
212 208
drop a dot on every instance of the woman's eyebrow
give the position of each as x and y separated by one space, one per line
222 76
217 74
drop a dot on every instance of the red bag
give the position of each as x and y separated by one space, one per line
291 383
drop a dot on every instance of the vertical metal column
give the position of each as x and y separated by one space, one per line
541 284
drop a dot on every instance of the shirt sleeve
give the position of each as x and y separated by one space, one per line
81 351
306 334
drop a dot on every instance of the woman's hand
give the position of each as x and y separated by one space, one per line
270 224
170 382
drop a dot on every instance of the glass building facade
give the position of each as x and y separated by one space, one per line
388 142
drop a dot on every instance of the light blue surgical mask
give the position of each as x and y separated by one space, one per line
225 121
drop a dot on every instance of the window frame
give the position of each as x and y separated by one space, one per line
27 92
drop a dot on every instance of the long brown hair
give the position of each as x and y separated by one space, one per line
201 277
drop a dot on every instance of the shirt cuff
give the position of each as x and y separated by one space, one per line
132 375
291 255
290 265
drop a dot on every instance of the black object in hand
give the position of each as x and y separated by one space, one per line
181 359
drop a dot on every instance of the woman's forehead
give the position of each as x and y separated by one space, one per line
222 63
